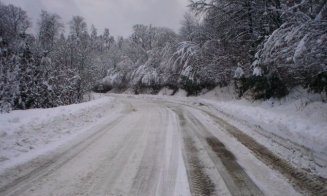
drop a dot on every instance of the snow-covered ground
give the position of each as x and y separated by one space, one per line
110 142
145 144
26 136
294 127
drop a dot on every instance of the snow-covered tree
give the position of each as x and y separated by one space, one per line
29 77
107 40
49 30
80 53
9 77
13 22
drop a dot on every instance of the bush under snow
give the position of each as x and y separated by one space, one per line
297 50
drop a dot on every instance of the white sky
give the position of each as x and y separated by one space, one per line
118 15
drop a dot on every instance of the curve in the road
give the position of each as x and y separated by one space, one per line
157 147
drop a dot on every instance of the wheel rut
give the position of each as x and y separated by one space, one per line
237 173
236 179
200 182
301 180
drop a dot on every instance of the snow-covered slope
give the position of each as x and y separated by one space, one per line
27 134
295 127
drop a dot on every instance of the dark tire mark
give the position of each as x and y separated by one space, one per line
237 173
318 158
200 182
236 179
302 181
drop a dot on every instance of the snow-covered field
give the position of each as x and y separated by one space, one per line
160 145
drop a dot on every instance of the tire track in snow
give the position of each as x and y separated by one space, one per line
200 182
146 179
107 175
235 178
139 155
304 182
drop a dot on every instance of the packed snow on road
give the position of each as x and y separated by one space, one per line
163 98
161 145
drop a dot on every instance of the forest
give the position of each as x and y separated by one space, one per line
263 48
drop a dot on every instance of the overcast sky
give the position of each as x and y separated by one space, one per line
118 15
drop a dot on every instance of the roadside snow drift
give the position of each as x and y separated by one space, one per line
26 134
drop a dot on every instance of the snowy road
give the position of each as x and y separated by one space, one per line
161 146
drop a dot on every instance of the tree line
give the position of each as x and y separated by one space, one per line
265 47
262 47
48 68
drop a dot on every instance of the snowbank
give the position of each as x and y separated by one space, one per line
299 120
165 92
221 94
27 134
180 93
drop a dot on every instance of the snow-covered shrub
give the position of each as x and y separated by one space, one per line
114 79
259 85
185 54
319 83
145 76
239 73
240 82
189 80
125 64
5 107
297 51
184 62
257 71
262 86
